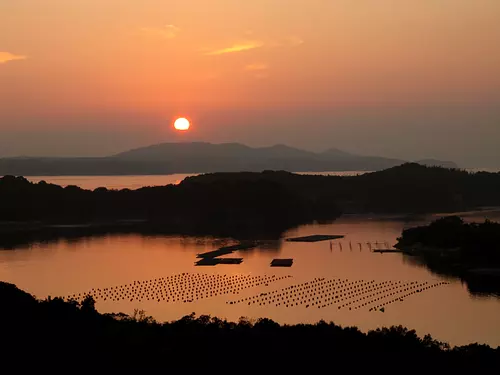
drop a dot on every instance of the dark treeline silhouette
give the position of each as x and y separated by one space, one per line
245 204
43 333
408 189
452 247
261 209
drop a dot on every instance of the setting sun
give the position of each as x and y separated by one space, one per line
181 124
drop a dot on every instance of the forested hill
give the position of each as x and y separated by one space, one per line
409 188
249 203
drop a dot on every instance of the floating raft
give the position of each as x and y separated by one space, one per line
227 250
215 253
216 261
315 238
282 263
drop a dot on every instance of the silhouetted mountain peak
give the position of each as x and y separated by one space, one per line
199 157
284 151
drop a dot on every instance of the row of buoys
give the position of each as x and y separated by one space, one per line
322 293
278 293
425 286
380 295
314 287
306 292
375 299
355 295
175 288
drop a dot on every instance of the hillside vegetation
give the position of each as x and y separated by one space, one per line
46 333
246 204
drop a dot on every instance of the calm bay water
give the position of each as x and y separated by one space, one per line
135 182
448 312
112 182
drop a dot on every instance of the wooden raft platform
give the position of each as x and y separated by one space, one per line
282 263
216 261
227 250
315 238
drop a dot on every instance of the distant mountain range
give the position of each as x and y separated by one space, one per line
199 157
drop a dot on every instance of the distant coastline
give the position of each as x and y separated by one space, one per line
138 181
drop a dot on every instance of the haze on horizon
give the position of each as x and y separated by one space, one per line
408 79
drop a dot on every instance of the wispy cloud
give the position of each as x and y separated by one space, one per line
291 41
165 32
256 67
5 57
237 47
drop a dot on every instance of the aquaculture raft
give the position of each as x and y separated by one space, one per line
282 263
315 238
227 250
216 261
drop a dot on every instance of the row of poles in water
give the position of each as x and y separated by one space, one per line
377 245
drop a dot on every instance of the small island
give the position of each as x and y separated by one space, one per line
450 246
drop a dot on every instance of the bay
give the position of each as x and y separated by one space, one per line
449 312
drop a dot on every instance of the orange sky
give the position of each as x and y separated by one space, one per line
160 58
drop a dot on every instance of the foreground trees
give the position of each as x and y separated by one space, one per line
42 333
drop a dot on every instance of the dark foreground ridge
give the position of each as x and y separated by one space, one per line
449 246
243 205
41 334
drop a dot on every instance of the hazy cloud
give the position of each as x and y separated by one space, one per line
7 56
208 77
258 70
291 41
256 67
261 74
238 47
166 32
294 41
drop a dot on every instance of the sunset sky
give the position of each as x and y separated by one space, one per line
399 78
